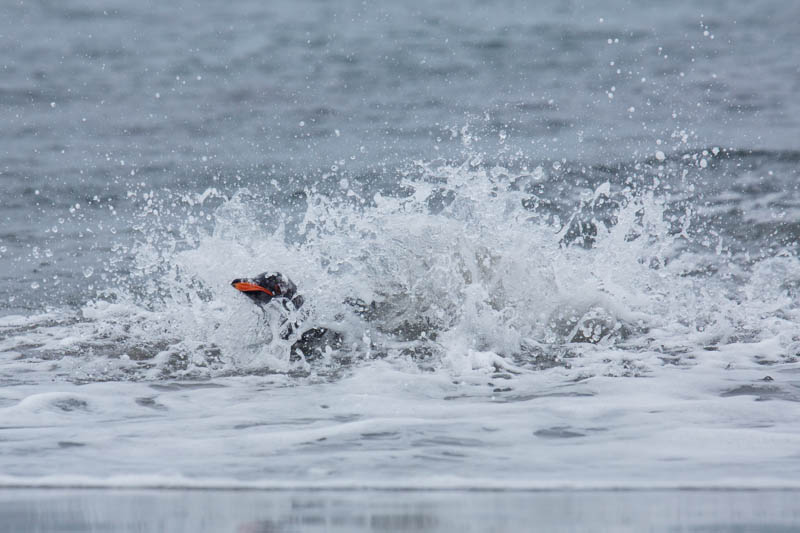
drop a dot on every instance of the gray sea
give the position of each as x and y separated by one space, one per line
557 242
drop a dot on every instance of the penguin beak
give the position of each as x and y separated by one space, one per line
246 286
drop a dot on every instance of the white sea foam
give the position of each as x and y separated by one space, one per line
497 352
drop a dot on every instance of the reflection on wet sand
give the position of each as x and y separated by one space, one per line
67 510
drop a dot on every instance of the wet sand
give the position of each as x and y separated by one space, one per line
63 510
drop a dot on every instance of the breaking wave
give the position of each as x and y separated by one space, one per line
453 266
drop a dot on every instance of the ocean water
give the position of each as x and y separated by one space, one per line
574 227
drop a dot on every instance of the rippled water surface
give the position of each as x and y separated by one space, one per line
558 244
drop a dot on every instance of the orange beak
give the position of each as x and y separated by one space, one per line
251 287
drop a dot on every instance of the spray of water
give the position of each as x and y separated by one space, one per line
460 267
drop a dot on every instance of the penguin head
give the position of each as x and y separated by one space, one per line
265 287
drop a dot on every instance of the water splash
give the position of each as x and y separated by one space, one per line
458 266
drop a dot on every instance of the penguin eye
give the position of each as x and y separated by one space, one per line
272 283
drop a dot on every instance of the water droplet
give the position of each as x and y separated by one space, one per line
87 272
